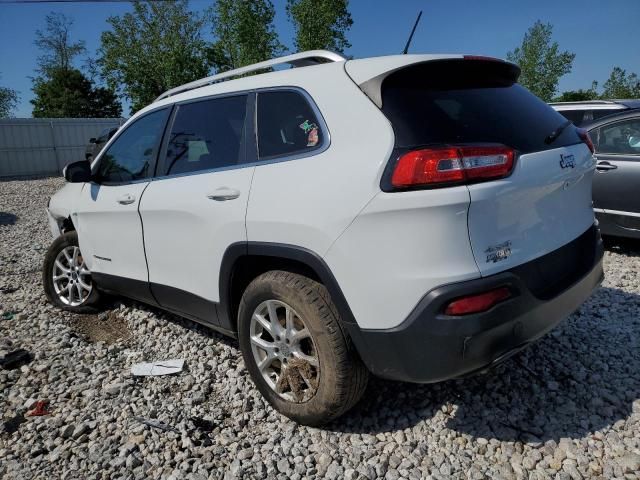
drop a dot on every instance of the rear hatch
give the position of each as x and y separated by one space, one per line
475 105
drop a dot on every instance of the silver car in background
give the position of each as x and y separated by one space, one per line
582 113
616 200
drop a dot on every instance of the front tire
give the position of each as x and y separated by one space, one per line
295 349
65 277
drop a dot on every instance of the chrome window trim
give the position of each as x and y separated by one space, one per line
617 212
324 146
604 154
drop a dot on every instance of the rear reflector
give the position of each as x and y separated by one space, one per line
452 165
584 135
477 303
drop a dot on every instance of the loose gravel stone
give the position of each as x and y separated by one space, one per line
567 407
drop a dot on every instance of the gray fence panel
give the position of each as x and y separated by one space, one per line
43 146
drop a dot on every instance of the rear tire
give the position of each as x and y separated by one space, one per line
66 280
311 372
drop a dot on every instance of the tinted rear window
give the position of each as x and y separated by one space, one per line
468 101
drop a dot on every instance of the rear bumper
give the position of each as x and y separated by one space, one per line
430 346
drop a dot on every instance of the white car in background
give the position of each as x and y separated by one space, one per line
584 112
420 217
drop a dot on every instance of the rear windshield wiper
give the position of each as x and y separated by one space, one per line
557 132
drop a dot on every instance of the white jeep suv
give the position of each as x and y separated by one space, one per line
420 217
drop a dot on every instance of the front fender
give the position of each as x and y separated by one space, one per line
62 205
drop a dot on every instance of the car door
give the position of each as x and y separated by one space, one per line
616 183
195 207
106 216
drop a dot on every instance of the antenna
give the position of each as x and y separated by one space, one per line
406 47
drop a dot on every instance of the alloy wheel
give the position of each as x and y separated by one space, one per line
284 351
71 277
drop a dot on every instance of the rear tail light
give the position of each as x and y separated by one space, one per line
477 303
584 135
452 165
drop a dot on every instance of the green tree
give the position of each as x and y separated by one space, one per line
621 85
156 47
541 61
8 101
244 33
62 90
579 95
320 24
68 93
55 43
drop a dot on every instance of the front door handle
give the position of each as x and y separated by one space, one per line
223 194
605 166
126 199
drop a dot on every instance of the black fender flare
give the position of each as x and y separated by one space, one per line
283 251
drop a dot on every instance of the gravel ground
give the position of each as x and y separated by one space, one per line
566 408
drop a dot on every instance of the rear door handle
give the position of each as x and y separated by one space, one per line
605 166
224 194
126 199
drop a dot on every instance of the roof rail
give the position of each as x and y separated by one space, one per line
302 59
585 102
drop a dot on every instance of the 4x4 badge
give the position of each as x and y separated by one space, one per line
499 252
567 161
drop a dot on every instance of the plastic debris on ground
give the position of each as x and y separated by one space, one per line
40 409
12 424
162 367
15 359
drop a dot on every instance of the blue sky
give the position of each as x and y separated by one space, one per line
603 34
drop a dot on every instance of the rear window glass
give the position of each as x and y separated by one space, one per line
287 125
468 101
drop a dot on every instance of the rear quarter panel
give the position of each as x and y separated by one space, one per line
400 247
310 201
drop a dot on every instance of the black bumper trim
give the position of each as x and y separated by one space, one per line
430 346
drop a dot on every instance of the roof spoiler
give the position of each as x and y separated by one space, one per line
372 87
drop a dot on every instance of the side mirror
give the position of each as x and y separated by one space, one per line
77 172
92 140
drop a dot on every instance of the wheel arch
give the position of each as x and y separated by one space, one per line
67 225
242 262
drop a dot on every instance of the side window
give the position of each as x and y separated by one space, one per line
206 134
620 138
131 156
287 124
